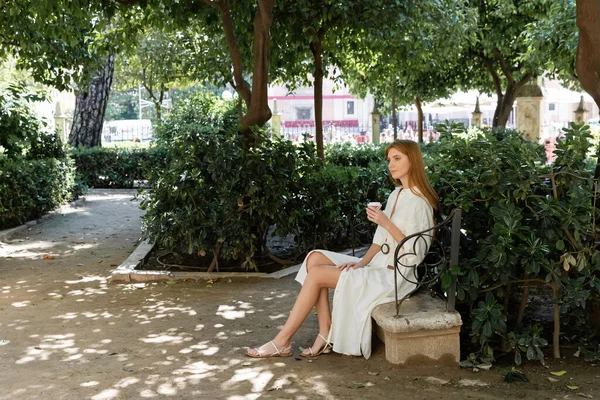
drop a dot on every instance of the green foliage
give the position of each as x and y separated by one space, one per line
122 105
29 188
214 195
591 354
529 342
488 319
525 221
113 167
351 154
35 173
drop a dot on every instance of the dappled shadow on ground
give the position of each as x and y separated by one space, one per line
151 340
87 339
67 334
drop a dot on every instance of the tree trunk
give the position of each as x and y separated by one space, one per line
256 99
90 107
394 116
317 50
419 119
506 101
588 49
258 110
503 109
588 72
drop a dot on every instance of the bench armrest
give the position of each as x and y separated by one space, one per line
442 254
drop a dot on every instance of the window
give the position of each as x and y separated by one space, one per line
350 108
551 106
303 113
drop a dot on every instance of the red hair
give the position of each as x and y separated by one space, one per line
416 174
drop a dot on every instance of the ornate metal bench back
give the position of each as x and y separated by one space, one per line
441 255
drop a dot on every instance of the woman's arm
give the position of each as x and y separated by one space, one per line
394 231
382 220
374 249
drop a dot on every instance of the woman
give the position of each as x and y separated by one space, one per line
362 284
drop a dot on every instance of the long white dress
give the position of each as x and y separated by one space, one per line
359 290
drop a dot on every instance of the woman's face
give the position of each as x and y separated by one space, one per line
398 164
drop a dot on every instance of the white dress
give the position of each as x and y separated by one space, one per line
359 290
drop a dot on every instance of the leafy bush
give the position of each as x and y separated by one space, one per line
35 173
353 154
113 167
29 188
526 223
216 196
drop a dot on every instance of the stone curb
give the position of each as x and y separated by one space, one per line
7 234
127 272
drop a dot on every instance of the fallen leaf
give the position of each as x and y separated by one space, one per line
558 373
59 297
127 369
357 385
587 396
576 354
372 373
80 265
171 282
573 387
387 378
246 364
47 257
208 285
552 379
249 331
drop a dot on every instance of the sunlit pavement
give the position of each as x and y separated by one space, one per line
65 333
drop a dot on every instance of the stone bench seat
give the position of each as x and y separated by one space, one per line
424 333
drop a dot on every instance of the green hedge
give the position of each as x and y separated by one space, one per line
36 175
113 167
29 188
215 196
528 226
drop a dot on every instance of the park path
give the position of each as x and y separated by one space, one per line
67 333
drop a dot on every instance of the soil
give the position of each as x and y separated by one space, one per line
67 333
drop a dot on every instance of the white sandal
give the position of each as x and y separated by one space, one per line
278 353
324 350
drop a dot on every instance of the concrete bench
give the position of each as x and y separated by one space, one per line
424 328
424 332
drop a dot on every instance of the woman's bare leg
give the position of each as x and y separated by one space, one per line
322 304
319 277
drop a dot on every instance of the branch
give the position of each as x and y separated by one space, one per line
507 72
241 86
524 80
488 65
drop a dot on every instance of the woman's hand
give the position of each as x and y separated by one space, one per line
374 214
352 265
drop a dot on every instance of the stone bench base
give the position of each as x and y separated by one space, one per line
423 334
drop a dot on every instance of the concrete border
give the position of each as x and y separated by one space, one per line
7 234
127 272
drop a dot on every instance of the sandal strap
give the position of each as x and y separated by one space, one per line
326 341
275 346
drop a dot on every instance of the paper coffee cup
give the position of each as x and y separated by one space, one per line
375 204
